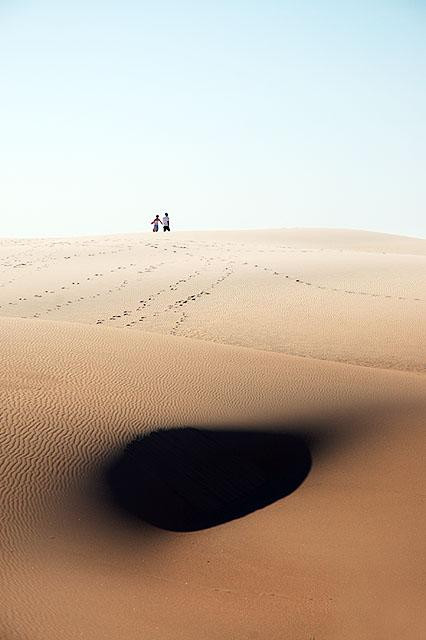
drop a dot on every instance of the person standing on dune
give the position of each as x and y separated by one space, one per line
156 222
166 222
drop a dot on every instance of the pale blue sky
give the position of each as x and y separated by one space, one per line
228 114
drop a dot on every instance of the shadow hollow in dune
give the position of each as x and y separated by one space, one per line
190 479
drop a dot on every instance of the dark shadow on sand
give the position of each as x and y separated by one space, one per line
191 479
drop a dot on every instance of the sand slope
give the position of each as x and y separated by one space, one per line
341 557
306 292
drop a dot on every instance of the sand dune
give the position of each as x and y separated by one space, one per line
338 557
302 292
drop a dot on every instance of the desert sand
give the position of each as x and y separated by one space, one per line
320 334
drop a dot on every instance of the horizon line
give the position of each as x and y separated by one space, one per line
216 230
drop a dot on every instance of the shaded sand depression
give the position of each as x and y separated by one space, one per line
95 353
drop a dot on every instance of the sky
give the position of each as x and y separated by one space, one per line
227 114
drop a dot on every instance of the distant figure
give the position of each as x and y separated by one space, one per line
166 222
156 222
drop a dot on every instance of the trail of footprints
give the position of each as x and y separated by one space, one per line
15 261
9 264
229 270
76 283
173 307
18 261
146 303
318 286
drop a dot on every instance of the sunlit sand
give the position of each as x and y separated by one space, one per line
316 338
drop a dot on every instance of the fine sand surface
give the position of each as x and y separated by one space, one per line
318 335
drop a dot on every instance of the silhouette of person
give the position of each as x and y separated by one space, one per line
156 222
166 222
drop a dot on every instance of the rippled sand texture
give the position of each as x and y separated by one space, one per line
104 339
